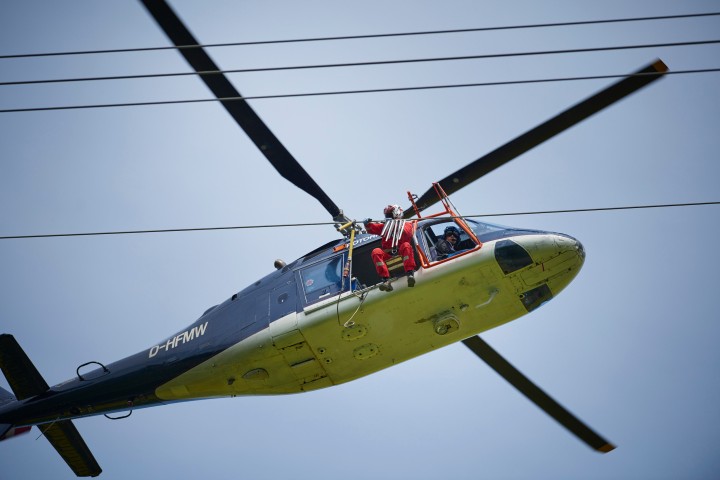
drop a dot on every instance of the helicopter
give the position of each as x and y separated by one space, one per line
308 325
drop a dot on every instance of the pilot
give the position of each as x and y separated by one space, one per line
446 246
397 237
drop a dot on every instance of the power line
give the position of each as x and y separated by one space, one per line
285 225
368 36
588 210
366 63
346 92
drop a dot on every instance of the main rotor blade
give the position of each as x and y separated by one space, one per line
514 148
237 107
535 394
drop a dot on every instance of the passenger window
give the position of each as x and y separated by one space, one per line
323 280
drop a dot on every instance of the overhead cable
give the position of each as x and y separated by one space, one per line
368 36
365 64
347 92
284 225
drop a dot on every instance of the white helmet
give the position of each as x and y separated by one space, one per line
393 211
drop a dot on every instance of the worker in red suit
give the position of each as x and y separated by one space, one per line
397 237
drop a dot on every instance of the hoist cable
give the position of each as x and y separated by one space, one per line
367 36
343 92
284 225
363 64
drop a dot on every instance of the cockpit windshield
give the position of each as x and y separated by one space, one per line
482 229
486 232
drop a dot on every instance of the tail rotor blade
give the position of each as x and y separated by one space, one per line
537 395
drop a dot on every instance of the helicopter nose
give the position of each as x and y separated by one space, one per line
575 243
572 244
540 265
557 260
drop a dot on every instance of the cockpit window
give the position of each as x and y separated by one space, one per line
486 232
482 229
435 237
323 279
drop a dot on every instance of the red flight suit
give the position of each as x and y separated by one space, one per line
404 247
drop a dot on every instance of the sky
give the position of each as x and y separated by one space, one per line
629 346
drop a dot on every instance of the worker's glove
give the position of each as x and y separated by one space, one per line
367 220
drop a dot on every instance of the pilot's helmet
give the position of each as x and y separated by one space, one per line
452 231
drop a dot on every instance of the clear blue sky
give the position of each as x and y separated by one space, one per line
630 346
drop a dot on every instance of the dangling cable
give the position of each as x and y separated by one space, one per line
347 273
349 322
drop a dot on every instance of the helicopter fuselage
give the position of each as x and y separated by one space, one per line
303 327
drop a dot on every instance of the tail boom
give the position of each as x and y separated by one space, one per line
26 382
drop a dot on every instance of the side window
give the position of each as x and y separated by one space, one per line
323 279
